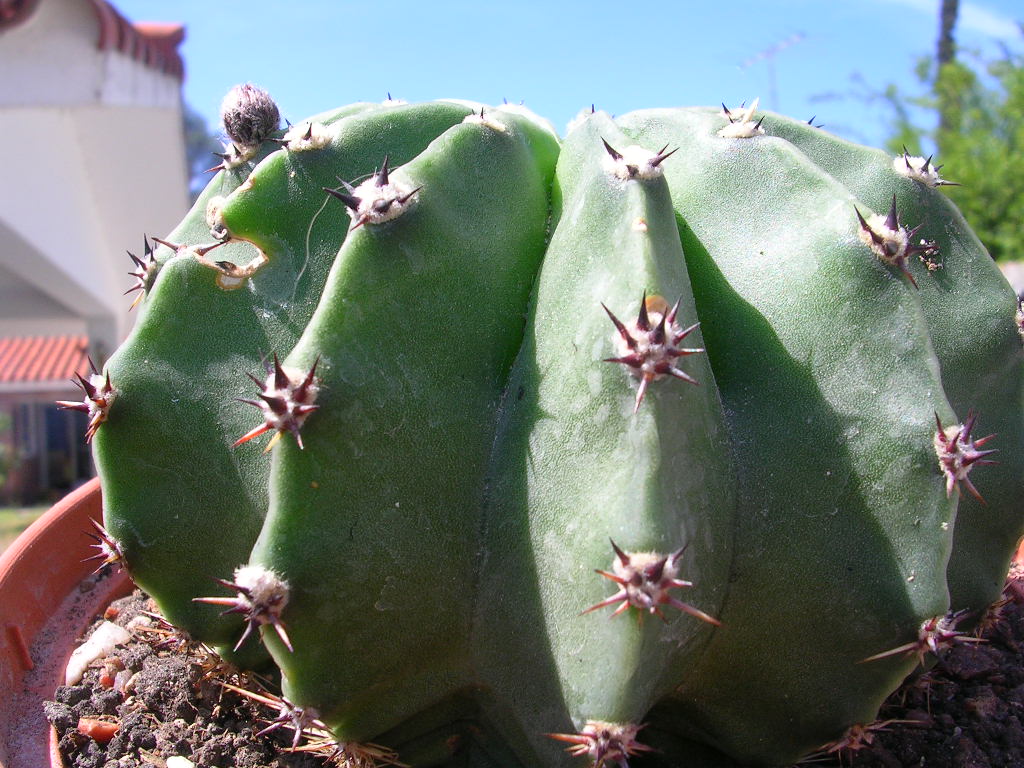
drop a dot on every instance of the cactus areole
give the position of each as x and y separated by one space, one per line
680 440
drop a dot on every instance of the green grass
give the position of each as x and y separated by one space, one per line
14 520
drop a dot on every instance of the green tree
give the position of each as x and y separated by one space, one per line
976 115
200 144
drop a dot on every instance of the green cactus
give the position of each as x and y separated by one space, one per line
490 426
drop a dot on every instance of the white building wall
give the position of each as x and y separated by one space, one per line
52 60
92 159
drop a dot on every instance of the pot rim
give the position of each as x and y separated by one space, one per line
49 597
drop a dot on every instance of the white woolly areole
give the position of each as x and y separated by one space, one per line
236 156
624 732
486 120
893 249
380 204
264 587
283 421
745 130
215 213
913 167
641 592
609 741
306 136
100 407
635 163
646 348
951 461
229 282
742 124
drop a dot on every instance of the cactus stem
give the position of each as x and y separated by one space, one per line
644 581
286 399
933 635
229 276
109 550
650 345
958 454
604 742
99 396
261 596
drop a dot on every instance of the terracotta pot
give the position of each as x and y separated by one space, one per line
48 596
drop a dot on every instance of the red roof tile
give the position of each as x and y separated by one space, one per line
42 358
153 44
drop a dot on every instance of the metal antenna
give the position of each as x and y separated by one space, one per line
768 57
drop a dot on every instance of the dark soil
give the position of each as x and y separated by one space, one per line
167 698
967 711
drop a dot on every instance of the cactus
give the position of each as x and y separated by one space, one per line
668 442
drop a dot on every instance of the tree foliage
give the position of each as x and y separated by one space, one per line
976 111
200 144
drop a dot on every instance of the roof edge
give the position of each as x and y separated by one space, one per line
154 44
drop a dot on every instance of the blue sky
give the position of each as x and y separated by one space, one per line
559 57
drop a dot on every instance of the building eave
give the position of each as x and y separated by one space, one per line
155 45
